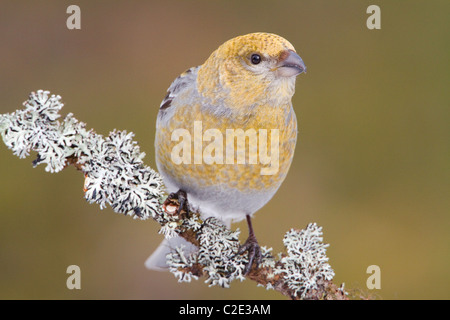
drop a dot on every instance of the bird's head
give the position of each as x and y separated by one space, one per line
251 69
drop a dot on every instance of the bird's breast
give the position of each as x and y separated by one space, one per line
198 149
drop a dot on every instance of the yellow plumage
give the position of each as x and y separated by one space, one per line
246 84
244 177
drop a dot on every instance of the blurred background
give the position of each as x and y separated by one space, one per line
372 163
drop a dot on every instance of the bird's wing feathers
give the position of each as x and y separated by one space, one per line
178 85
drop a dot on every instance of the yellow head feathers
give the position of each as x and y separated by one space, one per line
249 70
268 44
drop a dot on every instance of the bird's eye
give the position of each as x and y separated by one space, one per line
255 58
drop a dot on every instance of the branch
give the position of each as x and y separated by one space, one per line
115 175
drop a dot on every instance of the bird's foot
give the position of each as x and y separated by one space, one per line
254 253
181 198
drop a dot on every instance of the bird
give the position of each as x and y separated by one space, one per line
217 126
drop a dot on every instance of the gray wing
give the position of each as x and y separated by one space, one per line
181 82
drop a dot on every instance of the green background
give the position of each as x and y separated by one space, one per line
371 165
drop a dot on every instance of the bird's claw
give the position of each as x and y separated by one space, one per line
181 197
254 253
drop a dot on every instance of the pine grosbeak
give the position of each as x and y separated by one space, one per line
245 87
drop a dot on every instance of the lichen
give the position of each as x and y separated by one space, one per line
306 262
181 264
113 167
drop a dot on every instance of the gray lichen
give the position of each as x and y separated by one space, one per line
306 262
182 264
219 252
116 175
113 166
36 128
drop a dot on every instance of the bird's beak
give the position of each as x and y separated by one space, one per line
290 64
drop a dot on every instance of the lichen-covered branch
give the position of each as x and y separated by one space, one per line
113 167
116 175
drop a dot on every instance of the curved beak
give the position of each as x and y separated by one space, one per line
290 64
